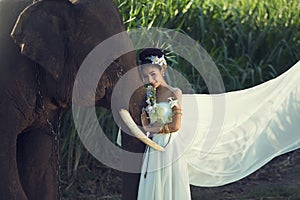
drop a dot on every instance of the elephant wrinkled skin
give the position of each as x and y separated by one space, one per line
49 41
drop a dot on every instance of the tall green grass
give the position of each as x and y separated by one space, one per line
251 41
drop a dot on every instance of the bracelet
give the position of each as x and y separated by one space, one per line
161 130
176 109
177 113
166 128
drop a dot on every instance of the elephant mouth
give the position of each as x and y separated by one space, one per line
107 83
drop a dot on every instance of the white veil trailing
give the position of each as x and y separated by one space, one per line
259 124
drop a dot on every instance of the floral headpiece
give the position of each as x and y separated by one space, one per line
159 61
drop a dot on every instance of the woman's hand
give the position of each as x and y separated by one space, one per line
153 128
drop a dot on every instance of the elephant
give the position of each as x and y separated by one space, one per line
43 44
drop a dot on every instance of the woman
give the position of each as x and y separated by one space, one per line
164 176
258 124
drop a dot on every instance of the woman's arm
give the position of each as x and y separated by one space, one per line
175 124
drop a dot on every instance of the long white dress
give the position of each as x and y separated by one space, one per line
164 176
224 138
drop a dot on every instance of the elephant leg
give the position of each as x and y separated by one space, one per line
37 164
131 180
10 186
130 185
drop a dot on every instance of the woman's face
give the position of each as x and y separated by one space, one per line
153 75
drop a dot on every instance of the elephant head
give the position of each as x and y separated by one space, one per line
59 34
44 32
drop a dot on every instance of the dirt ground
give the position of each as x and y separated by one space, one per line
278 180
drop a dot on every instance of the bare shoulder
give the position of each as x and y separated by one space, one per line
177 93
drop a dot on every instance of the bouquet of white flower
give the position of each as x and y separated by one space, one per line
158 112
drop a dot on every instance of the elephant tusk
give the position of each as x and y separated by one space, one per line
126 117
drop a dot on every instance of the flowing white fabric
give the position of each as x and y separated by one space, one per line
259 124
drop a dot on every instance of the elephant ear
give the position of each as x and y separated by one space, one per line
42 31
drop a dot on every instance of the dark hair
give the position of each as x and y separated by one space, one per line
149 52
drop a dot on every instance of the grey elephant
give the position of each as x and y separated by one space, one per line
40 55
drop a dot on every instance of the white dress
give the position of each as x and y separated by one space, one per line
224 138
164 175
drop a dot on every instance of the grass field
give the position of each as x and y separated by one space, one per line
251 41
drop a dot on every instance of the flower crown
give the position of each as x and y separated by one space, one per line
159 61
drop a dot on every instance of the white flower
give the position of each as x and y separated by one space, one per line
148 101
159 61
173 102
